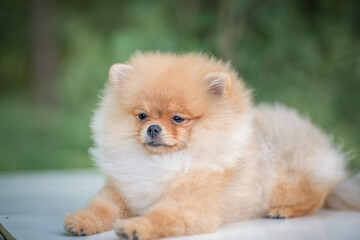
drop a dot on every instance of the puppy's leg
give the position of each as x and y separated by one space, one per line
100 215
295 199
190 208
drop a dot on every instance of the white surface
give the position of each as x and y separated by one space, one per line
33 206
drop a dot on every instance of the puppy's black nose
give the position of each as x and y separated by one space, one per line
154 130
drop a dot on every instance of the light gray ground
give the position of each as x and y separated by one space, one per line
33 206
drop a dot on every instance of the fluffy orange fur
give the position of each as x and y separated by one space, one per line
211 161
101 214
295 199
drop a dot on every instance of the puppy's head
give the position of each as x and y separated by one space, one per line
170 100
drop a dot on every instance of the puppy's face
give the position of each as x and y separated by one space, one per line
168 102
163 128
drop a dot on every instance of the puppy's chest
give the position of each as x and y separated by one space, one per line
141 191
143 185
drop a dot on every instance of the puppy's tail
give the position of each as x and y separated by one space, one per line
345 195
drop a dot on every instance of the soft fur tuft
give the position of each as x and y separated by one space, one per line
346 195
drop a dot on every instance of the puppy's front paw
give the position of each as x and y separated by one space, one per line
138 228
84 223
279 213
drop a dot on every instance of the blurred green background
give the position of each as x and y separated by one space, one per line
55 56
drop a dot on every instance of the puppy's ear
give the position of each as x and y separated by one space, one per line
119 72
219 83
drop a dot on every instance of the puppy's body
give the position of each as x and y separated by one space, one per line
224 160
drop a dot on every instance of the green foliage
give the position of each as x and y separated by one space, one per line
304 54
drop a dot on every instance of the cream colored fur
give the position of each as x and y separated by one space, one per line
346 195
250 151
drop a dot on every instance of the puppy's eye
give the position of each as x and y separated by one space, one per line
178 119
142 116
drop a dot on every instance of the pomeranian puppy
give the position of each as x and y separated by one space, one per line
185 150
